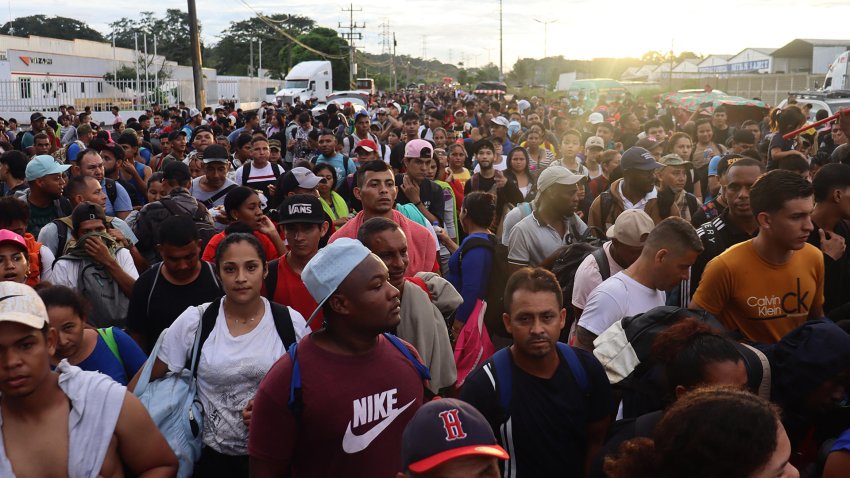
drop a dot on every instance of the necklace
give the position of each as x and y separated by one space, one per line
246 321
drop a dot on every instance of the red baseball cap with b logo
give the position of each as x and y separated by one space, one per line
445 429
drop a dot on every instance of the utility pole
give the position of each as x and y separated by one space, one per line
395 74
147 77
545 34
251 60
136 63
260 58
155 72
501 50
195 42
351 36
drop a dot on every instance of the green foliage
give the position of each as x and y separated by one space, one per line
232 52
171 31
545 72
327 41
53 27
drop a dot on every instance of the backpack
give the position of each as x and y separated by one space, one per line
111 190
624 351
501 375
156 279
607 202
271 279
61 154
282 324
246 172
296 404
495 296
108 336
209 202
109 304
205 229
569 258
63 225
374 138
344 163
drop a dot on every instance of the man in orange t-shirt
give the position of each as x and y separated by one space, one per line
765 287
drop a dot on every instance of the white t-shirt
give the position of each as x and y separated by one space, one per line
258 175
587 276
229 371
618 297
67 272
498 166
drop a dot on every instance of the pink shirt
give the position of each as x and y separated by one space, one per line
421 249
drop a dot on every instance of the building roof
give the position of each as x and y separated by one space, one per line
802 47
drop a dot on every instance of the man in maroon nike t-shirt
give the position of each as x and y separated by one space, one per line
358 389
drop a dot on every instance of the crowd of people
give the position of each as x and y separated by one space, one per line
436 284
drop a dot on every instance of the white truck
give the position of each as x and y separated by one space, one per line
838 76
308 79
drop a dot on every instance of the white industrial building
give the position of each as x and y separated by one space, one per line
39 73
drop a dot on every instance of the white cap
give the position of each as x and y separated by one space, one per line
19 303
595 118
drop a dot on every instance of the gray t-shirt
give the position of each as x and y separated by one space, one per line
202 196
532 241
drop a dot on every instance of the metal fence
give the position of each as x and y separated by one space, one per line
771 88
47 94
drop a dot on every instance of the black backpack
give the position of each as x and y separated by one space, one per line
625 353
280 315
205 229
498 279
111 190
567 261
246 172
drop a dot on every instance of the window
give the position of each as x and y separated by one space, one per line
100 87
82 87
26 88
63 87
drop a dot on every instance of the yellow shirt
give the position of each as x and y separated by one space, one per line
462 176
762 301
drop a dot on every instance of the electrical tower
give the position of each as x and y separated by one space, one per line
386 44
351 36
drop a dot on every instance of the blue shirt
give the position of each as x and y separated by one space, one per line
122 199
235 134
471 281
104 361
337 162
73 151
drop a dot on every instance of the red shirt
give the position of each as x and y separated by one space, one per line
268 246
355 409
292 292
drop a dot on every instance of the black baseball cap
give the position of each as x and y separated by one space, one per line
639 158
201 129
174 134
35 117
215 152
176 171
445 429
301 209
86 211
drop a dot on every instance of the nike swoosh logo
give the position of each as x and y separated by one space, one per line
352 443
9 297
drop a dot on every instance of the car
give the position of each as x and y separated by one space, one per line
831 101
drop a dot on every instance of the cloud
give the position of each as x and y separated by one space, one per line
470 29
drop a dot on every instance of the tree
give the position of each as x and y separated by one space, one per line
171 31
230 52
63 28
327 41
653 57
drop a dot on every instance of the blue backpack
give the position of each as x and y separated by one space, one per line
504 376
296 405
